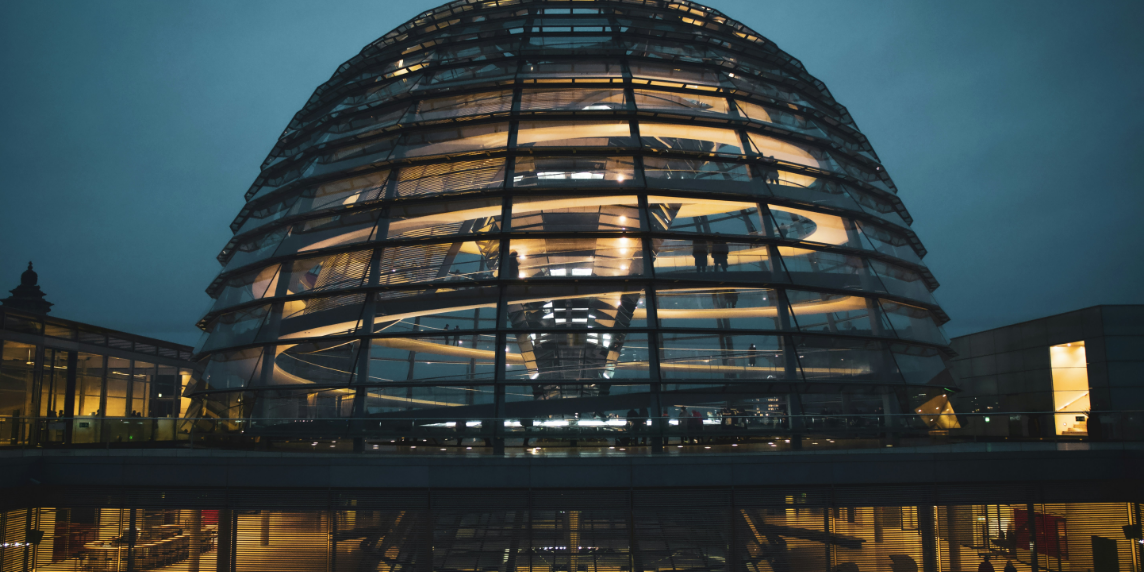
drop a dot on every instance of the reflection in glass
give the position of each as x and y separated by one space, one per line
786 151
566 306
578 171
705 216
913 323
433 358
693 138
710 257
581 214
439 218
330 272
455 139
574 134
448 262
462 105
442 178
723 308
660 171
438 311
573 99
572 257
647 100
576 356
837 313
721 356
318 317
314 363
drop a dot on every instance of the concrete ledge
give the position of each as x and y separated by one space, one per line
224 469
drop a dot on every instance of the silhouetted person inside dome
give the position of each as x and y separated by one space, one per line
719 253
699 252
512 266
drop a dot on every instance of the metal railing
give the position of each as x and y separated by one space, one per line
394 433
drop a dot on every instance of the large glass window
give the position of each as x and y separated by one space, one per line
574 171
329 195
314 363
694 173
888 242
321 316
705 216
331 272
813 226
329 231
248 286
474 73
289 405
375 150
255 249
690 104
89 384
829 269
1070 388
786 151
462 105
721 356
443 178
574 306
656 73
17 371
573 99
913 323
709 258
454 139
578 214
572 257
577 70
234 328
719 308
902 281
574 134
837 313
444 218
448 262
693 138
226 370
845 359
430 403
432 358
118 380
580 356
142 379
438 311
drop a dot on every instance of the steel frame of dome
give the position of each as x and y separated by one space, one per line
556 214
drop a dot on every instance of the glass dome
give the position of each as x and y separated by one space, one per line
552 220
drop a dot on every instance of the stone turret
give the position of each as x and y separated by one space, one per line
27 296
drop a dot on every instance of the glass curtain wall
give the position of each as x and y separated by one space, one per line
581 221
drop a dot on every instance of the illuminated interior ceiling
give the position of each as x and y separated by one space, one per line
1069 364
567 199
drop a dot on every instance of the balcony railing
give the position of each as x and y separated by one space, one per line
421 435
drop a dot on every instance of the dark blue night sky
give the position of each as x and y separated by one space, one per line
131 131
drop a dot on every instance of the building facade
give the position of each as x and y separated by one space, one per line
555 220
65 383
1078 365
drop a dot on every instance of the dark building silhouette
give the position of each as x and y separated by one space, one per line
27 296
